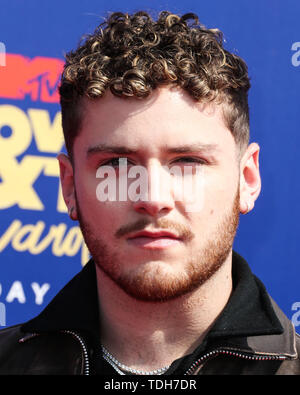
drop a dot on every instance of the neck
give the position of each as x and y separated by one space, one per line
150 334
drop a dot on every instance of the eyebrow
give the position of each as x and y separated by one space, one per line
103 148
195 147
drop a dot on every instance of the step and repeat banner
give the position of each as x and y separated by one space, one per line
40 248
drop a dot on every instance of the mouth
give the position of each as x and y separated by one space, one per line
154 239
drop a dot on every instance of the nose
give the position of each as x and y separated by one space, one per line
158 197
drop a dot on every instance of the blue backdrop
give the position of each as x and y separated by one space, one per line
40 247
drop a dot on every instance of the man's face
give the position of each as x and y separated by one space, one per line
157 248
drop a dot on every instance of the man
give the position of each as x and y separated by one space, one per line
163 293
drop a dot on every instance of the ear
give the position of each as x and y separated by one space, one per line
67 184
250 181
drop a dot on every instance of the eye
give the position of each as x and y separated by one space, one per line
190 159
116 162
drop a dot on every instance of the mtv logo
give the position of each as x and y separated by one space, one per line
2 314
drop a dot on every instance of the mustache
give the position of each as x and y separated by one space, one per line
181 230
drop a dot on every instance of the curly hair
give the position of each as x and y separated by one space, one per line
133 54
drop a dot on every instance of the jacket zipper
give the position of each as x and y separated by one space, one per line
234 353
86 363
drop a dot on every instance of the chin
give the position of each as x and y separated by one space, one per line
159 281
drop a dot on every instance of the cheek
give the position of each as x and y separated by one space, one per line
97 198
215 198
105 214
85 185
106 217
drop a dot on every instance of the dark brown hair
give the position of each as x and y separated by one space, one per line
133 54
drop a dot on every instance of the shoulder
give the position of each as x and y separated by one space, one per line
297 344
9 344
39 353
10 336
291 366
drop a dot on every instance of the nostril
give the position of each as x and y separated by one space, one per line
153 208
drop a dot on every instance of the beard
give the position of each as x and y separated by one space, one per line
157 281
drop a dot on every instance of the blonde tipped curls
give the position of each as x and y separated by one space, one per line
131 55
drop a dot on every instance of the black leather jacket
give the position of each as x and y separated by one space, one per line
251 336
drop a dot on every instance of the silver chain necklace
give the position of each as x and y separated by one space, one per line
123 369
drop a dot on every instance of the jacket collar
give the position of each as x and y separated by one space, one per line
75 307
250 321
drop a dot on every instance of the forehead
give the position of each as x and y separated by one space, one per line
169 117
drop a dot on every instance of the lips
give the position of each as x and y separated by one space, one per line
155 235
154 239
